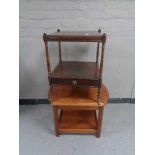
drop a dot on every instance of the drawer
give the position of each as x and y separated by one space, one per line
77 82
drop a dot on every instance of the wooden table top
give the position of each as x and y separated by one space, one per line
77 96
86 36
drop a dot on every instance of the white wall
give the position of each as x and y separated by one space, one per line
114 17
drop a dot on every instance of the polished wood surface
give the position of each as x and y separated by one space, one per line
76 73
78 122
77 96
83 73
76 36
76 69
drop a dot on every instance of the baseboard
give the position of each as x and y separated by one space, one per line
45 101
33 101
122 100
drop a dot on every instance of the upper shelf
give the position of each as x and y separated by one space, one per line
75 36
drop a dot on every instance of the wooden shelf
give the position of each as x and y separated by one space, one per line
83 73
83 121
78 36
70 96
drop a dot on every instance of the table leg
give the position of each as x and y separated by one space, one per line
56 120
99 122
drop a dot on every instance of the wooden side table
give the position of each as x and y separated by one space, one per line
75 109
76 87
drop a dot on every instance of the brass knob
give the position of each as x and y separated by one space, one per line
74 82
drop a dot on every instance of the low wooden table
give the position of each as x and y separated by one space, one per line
75 109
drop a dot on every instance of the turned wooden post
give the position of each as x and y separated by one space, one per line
99 121
102 54
101 64
60 59
47 57
56 120
98 46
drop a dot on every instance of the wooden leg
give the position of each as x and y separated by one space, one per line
98 96
95 115
60 115
56 120
99 122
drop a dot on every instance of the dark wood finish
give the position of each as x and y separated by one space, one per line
98 47
97 53
47 57
57 77
76 73
101 62
60 115
76 36
60 59
95 115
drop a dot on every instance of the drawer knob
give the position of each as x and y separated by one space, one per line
74 82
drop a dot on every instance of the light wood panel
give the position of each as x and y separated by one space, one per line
77 96
78 122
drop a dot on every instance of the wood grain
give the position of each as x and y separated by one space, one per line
99 122
78 122
76 36
77 96
56 120
84 73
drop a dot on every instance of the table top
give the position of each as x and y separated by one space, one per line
77 96
81 36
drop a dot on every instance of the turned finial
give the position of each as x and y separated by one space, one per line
45 38
99 30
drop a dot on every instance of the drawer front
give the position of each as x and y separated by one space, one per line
77 82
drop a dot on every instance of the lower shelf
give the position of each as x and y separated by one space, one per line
78 121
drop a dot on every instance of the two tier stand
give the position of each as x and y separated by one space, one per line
76 92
